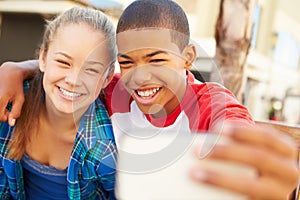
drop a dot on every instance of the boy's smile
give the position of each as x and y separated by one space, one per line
153 70
146 95
147 92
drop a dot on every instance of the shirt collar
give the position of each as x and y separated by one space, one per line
95 125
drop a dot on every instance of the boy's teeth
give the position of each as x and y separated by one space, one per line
147 93
69 94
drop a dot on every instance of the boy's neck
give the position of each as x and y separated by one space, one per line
160 114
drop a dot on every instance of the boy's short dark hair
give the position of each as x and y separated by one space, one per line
164 14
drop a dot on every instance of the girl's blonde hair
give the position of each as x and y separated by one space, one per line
35 97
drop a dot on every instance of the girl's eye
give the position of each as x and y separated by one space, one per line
92 70
63 62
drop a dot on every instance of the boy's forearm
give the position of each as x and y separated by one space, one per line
27 68
12 76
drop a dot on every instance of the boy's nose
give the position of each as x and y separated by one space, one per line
141 75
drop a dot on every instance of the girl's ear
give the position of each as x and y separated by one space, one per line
42 58
189 53
109 77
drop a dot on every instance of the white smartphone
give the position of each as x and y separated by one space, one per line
158 167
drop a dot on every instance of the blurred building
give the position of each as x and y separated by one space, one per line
22 23
272 70
273 64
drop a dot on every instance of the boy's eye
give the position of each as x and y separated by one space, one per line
125 63
157 60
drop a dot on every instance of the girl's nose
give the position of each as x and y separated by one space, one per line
73 77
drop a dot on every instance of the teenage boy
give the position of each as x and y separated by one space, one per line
156 91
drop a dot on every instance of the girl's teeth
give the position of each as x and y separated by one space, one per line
147 93
69 94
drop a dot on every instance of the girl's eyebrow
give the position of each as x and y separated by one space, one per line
92 62
64 54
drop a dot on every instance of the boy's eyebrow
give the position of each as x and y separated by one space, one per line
147 55
155 53
123 55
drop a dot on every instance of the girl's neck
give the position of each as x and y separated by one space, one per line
54 141
61 121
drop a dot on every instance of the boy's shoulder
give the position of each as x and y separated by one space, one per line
115 93
210 89
202 88
214 96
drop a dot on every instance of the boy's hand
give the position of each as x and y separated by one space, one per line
11 91
271 153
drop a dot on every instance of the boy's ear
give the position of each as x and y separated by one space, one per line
42 60
189 53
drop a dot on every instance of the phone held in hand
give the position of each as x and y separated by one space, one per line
157 166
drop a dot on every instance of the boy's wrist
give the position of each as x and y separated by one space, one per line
27 69
21 70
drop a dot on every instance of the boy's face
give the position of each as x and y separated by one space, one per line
153 70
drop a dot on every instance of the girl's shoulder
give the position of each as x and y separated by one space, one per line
5 135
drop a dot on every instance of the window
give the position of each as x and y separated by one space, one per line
286 50
256 18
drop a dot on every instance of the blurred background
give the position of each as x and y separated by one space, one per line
254 44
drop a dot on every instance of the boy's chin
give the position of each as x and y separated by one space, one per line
155 110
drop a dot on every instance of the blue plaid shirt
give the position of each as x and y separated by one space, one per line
91 170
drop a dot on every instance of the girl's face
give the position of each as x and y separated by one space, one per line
75 68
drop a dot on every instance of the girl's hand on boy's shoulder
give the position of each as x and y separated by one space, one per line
271 153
